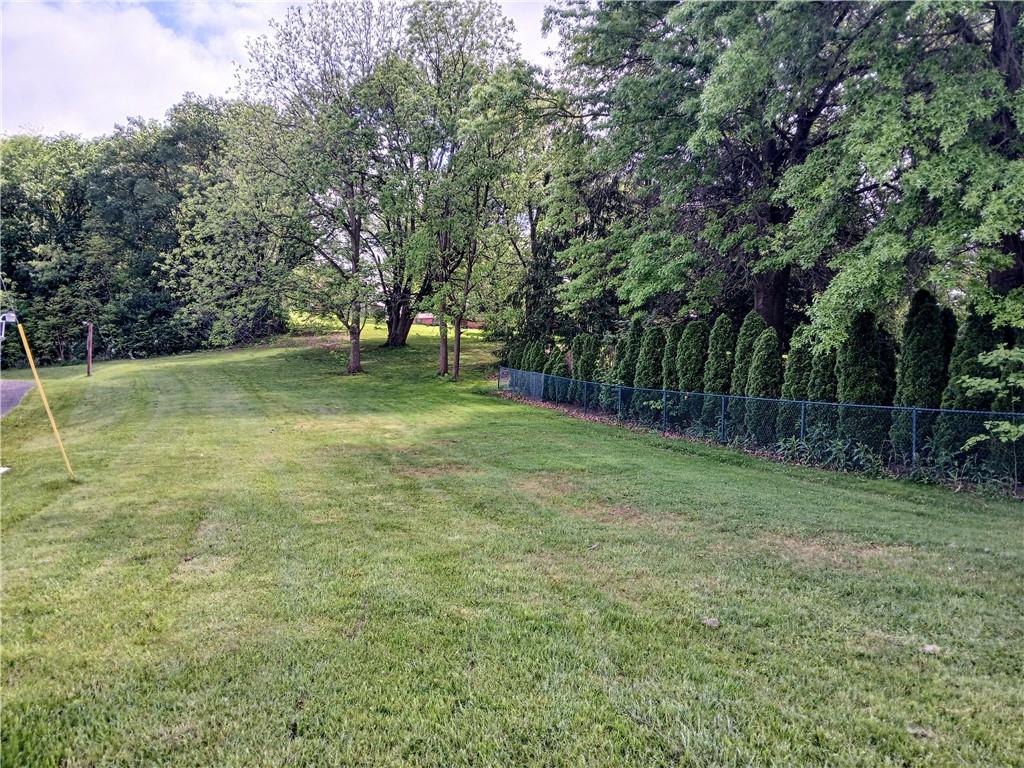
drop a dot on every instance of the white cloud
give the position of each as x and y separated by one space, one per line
83 67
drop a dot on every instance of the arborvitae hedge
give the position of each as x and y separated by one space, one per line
584 367
669 375
920 374
796 381
822 385
717 369
764 380
692 356
863 372
556 386
753 326
949 329
952 430
887 365
648 362
626 352
534 358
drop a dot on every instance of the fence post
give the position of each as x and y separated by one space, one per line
586 396
913 436
803 419
664 410
618 406
721 423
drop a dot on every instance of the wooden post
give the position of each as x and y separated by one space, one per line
88 350
46 403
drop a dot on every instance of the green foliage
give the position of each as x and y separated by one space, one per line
648 363
976 337
670 374
751 328
556 384
920 375
822 386
585 352
534 358
627 351
718 369
796 381
764 380
692 355
862 374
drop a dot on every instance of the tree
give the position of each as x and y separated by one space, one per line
670 373
692 356
718 368
556 383
953 430
648 363
861 374
796 382
751 328
821 388
534 358
627 351
764 381
920 374
308 132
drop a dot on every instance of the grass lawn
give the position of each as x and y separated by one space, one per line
267 563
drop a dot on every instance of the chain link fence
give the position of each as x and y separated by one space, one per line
922 443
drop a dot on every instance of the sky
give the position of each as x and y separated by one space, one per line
83 67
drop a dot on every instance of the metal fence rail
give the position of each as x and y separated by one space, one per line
924 443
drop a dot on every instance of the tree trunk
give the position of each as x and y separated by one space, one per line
442 352
355 360
399 321
770 291
457 352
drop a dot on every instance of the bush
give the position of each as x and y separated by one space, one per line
556 384
821 388
534 358
976 337
626 352
764 381
669 377
752 327
796 382
648 362
692 355
863 376
585 350
645 405
920 374
717 369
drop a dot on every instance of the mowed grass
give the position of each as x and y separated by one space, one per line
267 563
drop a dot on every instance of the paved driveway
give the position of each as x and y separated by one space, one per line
11 392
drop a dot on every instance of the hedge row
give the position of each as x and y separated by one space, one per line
718 359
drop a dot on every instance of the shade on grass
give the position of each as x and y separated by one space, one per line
268 563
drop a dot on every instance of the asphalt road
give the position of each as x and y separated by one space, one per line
11 393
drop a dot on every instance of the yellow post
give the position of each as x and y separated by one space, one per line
46 404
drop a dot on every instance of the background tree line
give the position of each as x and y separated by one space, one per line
813 163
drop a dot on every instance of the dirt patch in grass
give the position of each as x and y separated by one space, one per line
835 553
545 487
203 566
434 472
613 514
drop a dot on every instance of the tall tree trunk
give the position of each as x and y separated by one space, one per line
355 358
442 352
457 351
355 318
770 291
398 322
